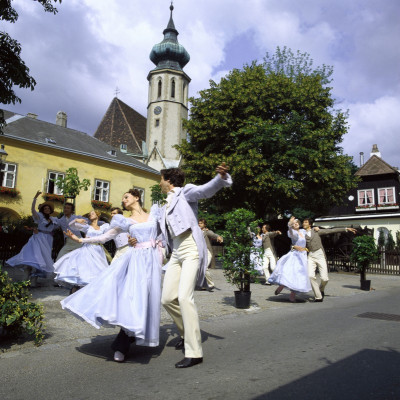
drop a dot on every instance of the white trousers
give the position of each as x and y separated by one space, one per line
178 292
208 276
269 262
70 245
316 259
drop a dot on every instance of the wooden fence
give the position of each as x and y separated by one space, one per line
388 264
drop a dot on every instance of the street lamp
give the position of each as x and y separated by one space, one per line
3 156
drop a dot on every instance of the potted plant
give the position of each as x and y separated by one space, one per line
236 260
364 252
71 185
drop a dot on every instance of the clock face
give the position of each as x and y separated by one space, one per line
157 110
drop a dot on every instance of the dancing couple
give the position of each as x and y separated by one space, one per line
128 294
296 270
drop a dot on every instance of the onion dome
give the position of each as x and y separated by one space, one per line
169 53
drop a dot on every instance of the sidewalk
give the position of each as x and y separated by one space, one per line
62 327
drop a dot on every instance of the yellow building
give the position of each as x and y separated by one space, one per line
38 152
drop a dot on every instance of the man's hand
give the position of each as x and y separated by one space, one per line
220 239
132 241
316 229
278 232
222 170
72 236
352 230
81 221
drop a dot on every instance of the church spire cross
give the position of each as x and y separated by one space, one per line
116 92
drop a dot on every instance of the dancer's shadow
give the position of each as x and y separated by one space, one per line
351 286
100 347
285 299
170 330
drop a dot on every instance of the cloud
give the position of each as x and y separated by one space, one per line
374 123
80 55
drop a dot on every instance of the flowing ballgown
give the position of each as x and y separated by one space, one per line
37 251
291 270
79 267
128 293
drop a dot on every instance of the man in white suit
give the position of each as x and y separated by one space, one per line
188 262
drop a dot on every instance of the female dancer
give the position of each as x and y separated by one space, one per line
256 255
36 254
79 267
127 294
291 270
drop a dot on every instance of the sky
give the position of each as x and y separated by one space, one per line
79 56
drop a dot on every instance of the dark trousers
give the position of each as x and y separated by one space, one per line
122 342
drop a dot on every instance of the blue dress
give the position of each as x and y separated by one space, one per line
291 270
37 252
128 293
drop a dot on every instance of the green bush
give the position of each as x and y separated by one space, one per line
364 252
19 314
236 262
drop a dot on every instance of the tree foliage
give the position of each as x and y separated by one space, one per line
13 70
275 125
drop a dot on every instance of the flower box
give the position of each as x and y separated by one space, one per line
369 208
9 191
388 207
101 204
53 197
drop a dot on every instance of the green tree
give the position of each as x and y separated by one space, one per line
275 125
390 245
13 70
381 239
156 195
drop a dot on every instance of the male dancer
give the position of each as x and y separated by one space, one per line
208 234
69 244
189 255
269 258
317 258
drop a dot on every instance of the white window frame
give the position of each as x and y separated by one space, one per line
56 189
6 174
365 203
101 190
386 195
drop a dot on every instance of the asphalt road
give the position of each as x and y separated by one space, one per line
302 351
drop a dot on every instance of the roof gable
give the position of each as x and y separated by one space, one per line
376 166
121 124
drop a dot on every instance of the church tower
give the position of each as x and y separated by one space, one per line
167 101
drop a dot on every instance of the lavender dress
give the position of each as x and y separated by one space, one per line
128 293
291 270
37 251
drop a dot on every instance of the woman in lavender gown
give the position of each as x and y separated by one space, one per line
291 270
128 294
36 254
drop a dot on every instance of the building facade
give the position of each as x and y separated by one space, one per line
39 152
374 203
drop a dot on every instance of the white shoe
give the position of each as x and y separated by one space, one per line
119 357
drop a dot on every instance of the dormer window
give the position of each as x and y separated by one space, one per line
386 196
50 140
123 147
112 153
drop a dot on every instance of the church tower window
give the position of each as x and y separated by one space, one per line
173 88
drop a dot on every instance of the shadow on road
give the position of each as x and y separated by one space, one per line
367 375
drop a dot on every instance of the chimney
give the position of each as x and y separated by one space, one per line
361 158
375 151
32 115
61 119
